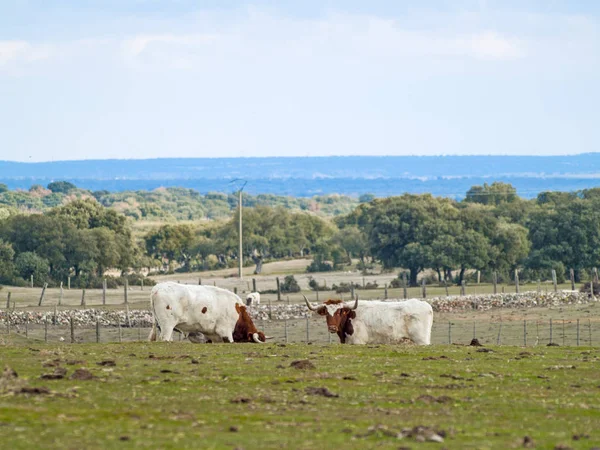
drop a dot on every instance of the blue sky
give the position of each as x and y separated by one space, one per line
146 78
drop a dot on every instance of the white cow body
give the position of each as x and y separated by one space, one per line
191 308
253 299
379 322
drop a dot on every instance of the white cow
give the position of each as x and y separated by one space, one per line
378 322
253 298
217 313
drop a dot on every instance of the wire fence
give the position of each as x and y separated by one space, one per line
312 330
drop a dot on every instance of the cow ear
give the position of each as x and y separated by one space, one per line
322 311
352 314
237 308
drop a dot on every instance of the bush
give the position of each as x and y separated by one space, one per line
585 288
315 286
319 266
289 285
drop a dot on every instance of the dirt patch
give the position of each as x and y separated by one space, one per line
39 390
485 350
434 358
560 367
82 374
323 391
58 374
431 399
107 363
302 364
72 362
475 342
241 400
51 363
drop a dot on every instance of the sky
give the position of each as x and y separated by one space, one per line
96 79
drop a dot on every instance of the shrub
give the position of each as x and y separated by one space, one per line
315 286
319 266
289 285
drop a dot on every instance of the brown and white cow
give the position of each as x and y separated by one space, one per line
218 314
377 322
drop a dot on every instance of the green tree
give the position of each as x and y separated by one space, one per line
7 267
173 243
493 194
28 264
62 187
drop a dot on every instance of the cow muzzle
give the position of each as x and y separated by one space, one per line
332 329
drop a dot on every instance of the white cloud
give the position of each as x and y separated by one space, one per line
16 53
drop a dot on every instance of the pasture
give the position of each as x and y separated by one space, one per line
179 395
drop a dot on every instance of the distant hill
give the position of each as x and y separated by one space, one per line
449 176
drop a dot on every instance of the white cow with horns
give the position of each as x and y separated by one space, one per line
377 322
218 314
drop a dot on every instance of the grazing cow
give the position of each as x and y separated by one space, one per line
253 298
378 322
216 313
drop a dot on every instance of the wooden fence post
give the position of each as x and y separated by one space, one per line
69 283
478 277
572 276
554 280
8 300
104 291
72 329
97 330
550 331
525 333
424 287
317 294
462 287
495 281
141 284
235 290
386 291
46 328
351 291
254 285
285 330
517 281
449 332
446 287
404 285
577 332
32 281
499 333
199 281
127 317
42 295
278 290
26 327
539 286
60 295
120 332
125 289
83 298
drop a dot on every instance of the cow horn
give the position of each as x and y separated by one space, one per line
355 303
256 339
308 303
269 337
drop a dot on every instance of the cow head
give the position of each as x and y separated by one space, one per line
338 315
244 330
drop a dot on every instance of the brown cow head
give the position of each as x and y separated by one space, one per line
244 330
338 315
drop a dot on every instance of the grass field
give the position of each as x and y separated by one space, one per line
178 395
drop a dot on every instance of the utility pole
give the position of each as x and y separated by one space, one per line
240 254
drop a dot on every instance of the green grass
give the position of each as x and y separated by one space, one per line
493 399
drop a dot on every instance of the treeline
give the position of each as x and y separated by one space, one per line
492 229
165 204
